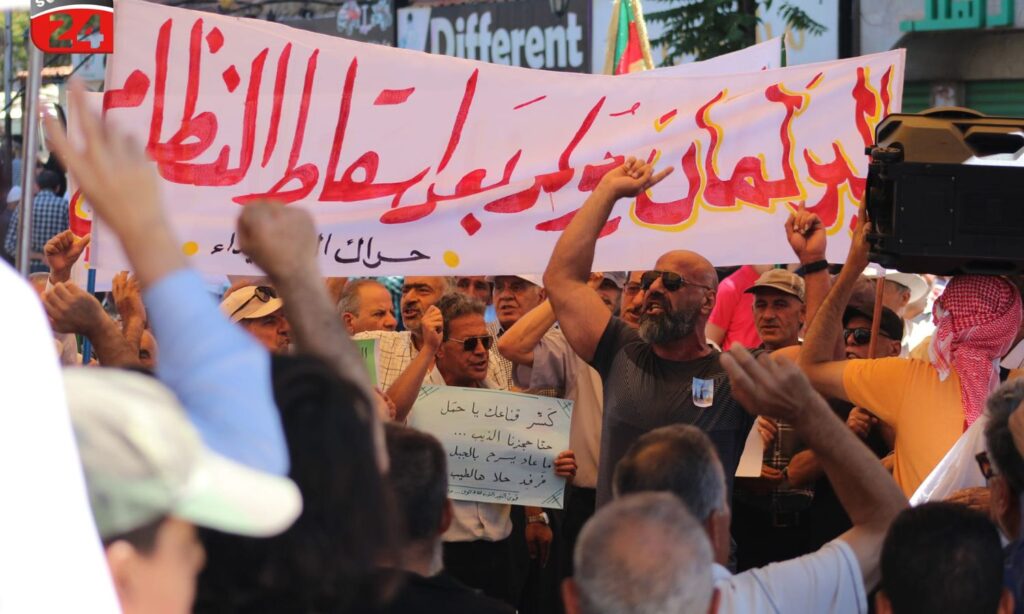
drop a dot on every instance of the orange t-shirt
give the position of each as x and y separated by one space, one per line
907 395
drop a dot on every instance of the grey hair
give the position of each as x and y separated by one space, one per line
999 440
349 301
455 305
679 459
643 554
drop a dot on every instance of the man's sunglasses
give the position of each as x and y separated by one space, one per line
671 281
469 344
861 336
985 465
264 293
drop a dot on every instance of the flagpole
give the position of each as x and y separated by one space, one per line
30 142
8 71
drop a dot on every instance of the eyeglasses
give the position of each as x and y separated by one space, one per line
264 293
861 336
985 465
671 281
469 344
631 289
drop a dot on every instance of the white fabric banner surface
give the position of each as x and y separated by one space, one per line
420 164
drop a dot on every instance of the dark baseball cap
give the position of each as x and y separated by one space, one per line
892 324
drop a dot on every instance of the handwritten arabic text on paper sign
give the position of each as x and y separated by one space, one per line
420 164
501 446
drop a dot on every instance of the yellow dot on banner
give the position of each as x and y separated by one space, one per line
451 259
190 248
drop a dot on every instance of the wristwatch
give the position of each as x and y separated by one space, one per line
542 518
812 267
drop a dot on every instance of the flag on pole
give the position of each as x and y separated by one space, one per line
629 50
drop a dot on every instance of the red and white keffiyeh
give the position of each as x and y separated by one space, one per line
976 320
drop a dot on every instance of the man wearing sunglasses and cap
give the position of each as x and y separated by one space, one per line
663 374
259 311
477 548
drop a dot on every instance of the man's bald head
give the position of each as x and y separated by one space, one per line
641 553
691 265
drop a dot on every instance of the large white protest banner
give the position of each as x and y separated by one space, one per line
501 446
419 164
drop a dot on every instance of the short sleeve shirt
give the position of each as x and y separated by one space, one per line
643 392
558 369
828 581
734 309
926 413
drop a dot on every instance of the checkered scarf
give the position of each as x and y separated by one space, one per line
976 320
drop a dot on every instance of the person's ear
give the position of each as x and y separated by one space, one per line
896 347
1006 602
347 319
882 605
709 301
570 596
121 560
447 512
716 598
543 294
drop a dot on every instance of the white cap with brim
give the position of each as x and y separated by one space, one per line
243 304
144 460
915 283
536 280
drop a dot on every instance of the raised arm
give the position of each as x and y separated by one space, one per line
72 310
518 342
868 494
219 373
581 313
128 298
818 353
406 388
282 241
807 237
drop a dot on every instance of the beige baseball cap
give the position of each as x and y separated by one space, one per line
143 459
250 302
781 280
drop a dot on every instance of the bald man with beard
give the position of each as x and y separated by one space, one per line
665 372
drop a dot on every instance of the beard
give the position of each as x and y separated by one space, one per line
667 326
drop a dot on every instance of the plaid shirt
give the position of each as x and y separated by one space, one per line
397 351
49 217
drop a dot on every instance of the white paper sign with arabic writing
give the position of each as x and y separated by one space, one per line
501 446
418 164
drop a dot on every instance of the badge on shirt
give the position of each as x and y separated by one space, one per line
703 392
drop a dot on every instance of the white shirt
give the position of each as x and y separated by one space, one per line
45 502
826 581
471 521
557 367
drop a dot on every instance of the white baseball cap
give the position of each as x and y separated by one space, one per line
143 459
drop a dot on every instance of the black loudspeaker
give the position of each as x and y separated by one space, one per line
945 193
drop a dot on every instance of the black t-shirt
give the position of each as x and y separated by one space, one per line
442 594
643 392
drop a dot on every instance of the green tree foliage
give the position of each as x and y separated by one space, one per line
708 28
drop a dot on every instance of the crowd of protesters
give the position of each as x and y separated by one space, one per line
237 458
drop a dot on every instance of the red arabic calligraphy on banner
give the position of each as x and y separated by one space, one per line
451 165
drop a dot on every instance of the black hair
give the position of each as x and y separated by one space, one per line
143 538
327 561
942 557
48 180
999 439
418 479
679 459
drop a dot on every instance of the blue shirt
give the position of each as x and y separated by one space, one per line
220 374
1013 573
49 217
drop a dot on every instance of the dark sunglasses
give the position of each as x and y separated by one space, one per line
985 465
861 336
469 344
264 293
671 281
